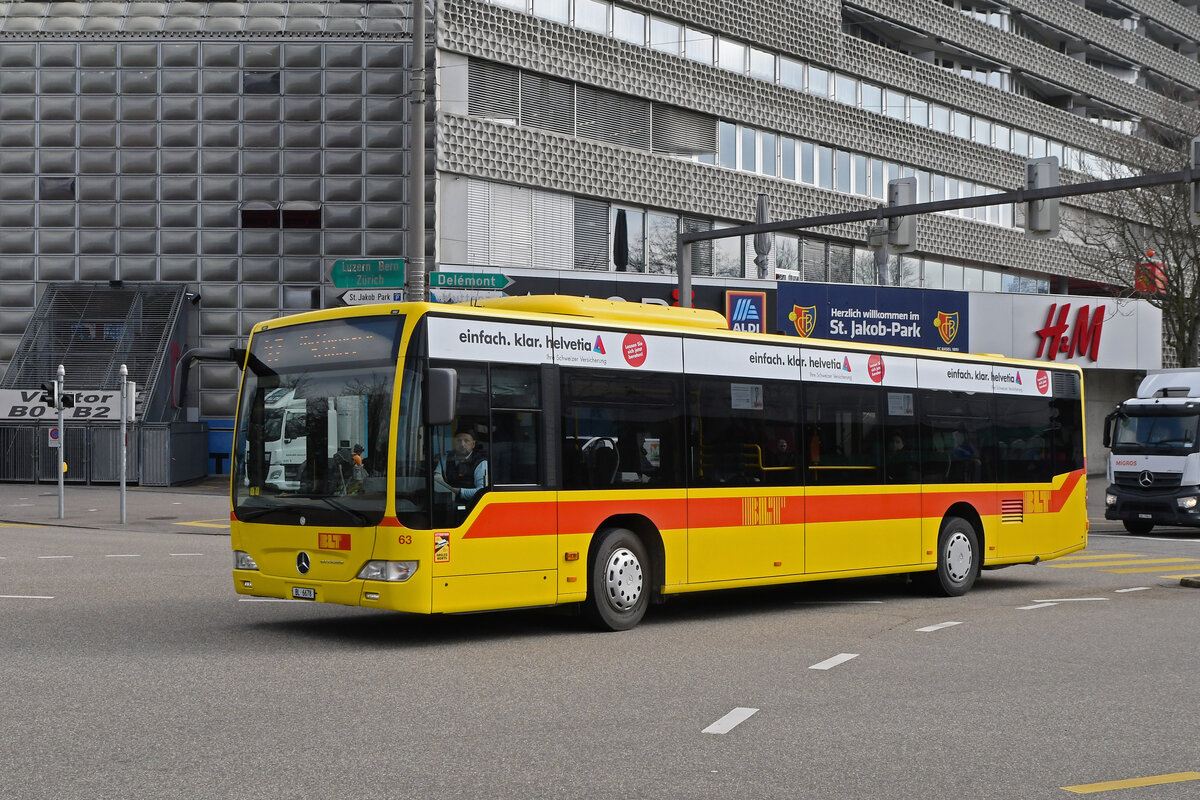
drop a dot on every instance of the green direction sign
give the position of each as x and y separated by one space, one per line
468 280
368 273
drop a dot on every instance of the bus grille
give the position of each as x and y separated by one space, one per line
1012 510
1159 480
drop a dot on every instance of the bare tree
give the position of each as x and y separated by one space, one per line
1144 243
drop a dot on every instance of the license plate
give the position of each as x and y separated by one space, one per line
1145 516
303 593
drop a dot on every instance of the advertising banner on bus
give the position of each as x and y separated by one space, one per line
936 320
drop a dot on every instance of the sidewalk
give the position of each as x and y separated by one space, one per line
201 507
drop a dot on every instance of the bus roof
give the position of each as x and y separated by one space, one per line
608 310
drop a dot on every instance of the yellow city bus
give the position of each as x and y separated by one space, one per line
630 452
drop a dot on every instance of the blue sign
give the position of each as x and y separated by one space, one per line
746 311
936 320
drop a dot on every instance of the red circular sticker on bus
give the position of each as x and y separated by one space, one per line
634 347
1043 381
875 368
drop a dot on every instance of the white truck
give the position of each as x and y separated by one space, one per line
1154 464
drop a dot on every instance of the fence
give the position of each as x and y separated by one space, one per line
159 454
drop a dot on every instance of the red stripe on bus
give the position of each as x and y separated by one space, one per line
499 520
548 518
585 516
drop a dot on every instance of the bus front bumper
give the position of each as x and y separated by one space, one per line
412 596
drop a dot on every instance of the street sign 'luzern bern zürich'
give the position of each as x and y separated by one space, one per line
367 273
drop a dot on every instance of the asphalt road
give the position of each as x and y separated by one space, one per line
129 668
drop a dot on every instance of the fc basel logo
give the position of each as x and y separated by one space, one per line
804 318
947 326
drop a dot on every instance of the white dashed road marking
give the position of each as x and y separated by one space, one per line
731 720
938 627
830 663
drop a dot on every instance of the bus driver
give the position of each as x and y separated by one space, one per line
464 471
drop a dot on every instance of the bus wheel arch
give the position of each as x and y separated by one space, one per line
960 551
625 559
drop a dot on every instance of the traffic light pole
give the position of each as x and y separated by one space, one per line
62 443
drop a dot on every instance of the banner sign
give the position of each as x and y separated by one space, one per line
935 320
91 405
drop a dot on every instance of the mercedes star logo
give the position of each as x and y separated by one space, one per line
1146 479
302 563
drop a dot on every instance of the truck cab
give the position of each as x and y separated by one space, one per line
1154 459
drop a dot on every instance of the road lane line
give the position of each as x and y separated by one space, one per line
1121 563
269 600
1036 605
1071 600
1100 556
830 663
186 554
205 523
731 720
1134 589
1151 568
1131 783
124 555
938 627
26 597
56 556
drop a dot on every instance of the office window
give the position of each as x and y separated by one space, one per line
762 65
787 160
894 105
727 145
698 46
731 55
592 15
769 164
791 74
872 98
845 90
918 112
665 36
818 81
629 26
553 10
808 163
749 150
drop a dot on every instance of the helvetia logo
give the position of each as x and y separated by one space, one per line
846 364
1019 379
599 346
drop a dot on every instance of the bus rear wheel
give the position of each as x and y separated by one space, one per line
1138 527
618 589
958 557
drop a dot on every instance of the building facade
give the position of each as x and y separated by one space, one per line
242 148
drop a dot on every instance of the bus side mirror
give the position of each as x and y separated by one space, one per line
441 396
1108 428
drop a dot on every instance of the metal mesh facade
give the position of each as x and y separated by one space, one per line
238 148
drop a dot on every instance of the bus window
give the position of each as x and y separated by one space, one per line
903 456
743 432
957 440
843 435
621 433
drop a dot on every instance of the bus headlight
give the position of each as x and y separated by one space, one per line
395 571
1186 503
1110 499
242 560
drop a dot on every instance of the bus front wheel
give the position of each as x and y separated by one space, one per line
618 590
1138 527
958 557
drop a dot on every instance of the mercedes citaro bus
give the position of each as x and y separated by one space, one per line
634 452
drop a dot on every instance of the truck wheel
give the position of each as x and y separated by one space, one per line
618 589
1138 527
958 557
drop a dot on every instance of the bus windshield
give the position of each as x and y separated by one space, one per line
1157 433
312 430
